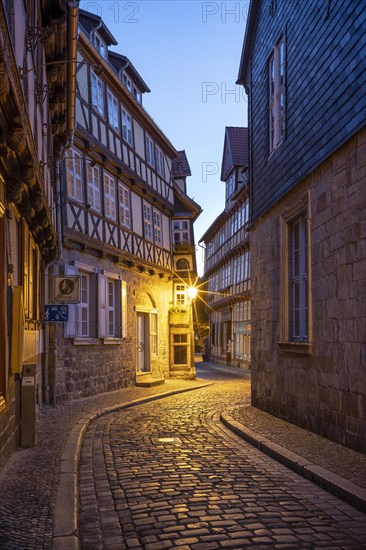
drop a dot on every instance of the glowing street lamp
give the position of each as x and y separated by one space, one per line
192 293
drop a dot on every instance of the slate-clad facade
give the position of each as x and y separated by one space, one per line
302 66
324 45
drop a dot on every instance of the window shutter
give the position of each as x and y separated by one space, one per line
71 327
102 306
124 308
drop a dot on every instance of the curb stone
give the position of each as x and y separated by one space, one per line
65 527
333 483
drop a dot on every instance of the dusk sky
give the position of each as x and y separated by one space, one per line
188 53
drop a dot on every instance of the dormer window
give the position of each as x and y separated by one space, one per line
230 186
131 87
100 46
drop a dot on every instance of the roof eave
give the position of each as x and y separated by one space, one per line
247 44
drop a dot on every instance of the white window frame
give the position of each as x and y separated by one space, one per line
111 307
84 306
180 294
74 175
160 161
157 226
93 186
277 79
109 186
124 205
148 223
97 93
113 111
149 145
127 126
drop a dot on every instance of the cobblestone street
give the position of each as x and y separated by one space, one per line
168 474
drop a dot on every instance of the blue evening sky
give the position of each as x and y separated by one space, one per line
188 53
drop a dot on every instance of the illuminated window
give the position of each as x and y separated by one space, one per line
180 295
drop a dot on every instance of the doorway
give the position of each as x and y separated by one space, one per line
143 347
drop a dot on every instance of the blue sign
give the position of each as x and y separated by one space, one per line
56 312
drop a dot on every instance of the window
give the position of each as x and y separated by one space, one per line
210 248
226 276
93 185
150 151
157 226
137 95
97 93
160 161
182 265
124 205
111 306
148 221
180 232
277 96
126 126
109 196
127 82
298 280
30 276
154 333
222 236
74 175
230 186
100 46
180 295
180 345
112 111
84 306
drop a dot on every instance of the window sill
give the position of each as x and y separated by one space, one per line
112 341
85 341
300 348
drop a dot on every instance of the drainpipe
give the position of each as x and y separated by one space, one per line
72 17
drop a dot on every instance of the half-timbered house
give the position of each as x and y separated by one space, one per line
37 60
303 67
119 214
227 258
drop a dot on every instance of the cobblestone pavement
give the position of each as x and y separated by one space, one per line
29 481
168 474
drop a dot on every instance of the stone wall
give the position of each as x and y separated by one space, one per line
9 423
85 370
324 391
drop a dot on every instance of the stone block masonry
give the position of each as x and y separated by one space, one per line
324 390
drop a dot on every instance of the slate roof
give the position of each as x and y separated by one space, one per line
235 149
91 21
181 166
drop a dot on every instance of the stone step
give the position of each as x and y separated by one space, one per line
147 381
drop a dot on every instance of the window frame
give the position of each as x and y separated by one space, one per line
113 111
180 231
276 95
127 133
98 98
150 151
160 161
148 221
124 206
94 195
301 207
109 197
180 294
157 226
74 190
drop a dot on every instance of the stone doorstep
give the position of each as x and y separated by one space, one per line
148 381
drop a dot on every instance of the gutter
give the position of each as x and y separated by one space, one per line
72 19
